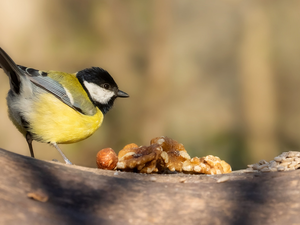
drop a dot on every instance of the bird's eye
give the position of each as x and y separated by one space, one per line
105 86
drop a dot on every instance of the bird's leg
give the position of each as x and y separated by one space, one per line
62 154
29 142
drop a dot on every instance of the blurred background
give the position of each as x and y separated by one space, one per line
220 77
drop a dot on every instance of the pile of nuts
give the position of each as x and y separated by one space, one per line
164 154
284 162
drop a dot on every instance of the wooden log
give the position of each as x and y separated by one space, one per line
69 194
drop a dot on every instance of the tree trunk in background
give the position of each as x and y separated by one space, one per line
258 83
158 71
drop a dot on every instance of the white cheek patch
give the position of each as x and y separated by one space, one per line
97 93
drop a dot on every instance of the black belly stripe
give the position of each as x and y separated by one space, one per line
25 123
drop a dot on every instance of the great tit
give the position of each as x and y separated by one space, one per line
55 107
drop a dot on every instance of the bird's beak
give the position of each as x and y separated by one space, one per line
122 94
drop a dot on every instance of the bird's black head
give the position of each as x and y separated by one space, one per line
100 87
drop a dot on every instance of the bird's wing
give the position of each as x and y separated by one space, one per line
64 86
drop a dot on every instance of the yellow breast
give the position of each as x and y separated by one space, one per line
54 121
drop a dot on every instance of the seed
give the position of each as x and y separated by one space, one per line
278 159
298 166
248 171
273 164
255 166
284 154
262 166
265 169
293 165
288 160
293 154
280 168
223 179
285 164
153 179
182 180
297 160
261 162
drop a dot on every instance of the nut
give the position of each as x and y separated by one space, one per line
142 159
173 155
226 167
164 155
208 165
107 159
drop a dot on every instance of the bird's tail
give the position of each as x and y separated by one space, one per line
12 71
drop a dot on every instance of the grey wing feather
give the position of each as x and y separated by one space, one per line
56 89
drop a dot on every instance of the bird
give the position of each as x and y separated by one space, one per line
56 107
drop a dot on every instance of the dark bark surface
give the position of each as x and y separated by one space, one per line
79 195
